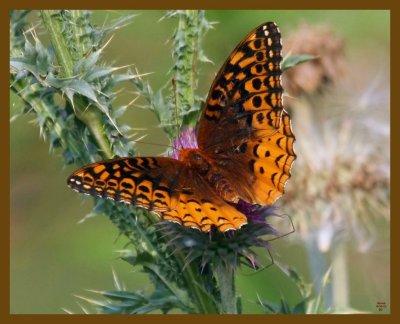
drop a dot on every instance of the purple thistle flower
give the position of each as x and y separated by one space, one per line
186 139
257 214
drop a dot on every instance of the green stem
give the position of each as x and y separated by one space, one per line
202 301
186 55
340 280
85 112
318 267
186 84
225 276
92 118
53 26
78 32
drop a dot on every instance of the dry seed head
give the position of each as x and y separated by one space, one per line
321 42
341 181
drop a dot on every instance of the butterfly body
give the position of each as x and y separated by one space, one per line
208 169
196 159
244 149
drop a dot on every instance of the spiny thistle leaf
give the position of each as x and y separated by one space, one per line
18 23
125 302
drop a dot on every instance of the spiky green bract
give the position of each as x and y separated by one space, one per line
230 249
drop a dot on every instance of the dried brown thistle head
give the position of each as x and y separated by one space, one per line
328 66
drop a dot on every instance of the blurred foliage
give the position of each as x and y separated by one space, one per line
309 303
130 42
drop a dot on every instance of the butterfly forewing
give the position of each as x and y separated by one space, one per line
246 94
130 180
244 126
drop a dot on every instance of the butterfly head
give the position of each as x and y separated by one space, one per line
196 159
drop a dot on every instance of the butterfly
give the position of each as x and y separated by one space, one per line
245 148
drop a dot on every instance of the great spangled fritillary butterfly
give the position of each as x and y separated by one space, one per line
245 149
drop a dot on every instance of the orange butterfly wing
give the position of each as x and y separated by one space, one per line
162 185
244 126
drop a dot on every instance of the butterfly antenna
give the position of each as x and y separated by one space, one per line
150 143
263 268
286 234
273 239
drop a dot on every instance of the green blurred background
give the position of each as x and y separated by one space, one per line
53 257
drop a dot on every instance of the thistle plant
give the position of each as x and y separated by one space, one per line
70 91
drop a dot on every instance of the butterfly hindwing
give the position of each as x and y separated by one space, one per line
267 162
162 185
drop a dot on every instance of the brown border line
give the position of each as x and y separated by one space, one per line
173 4
200 4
